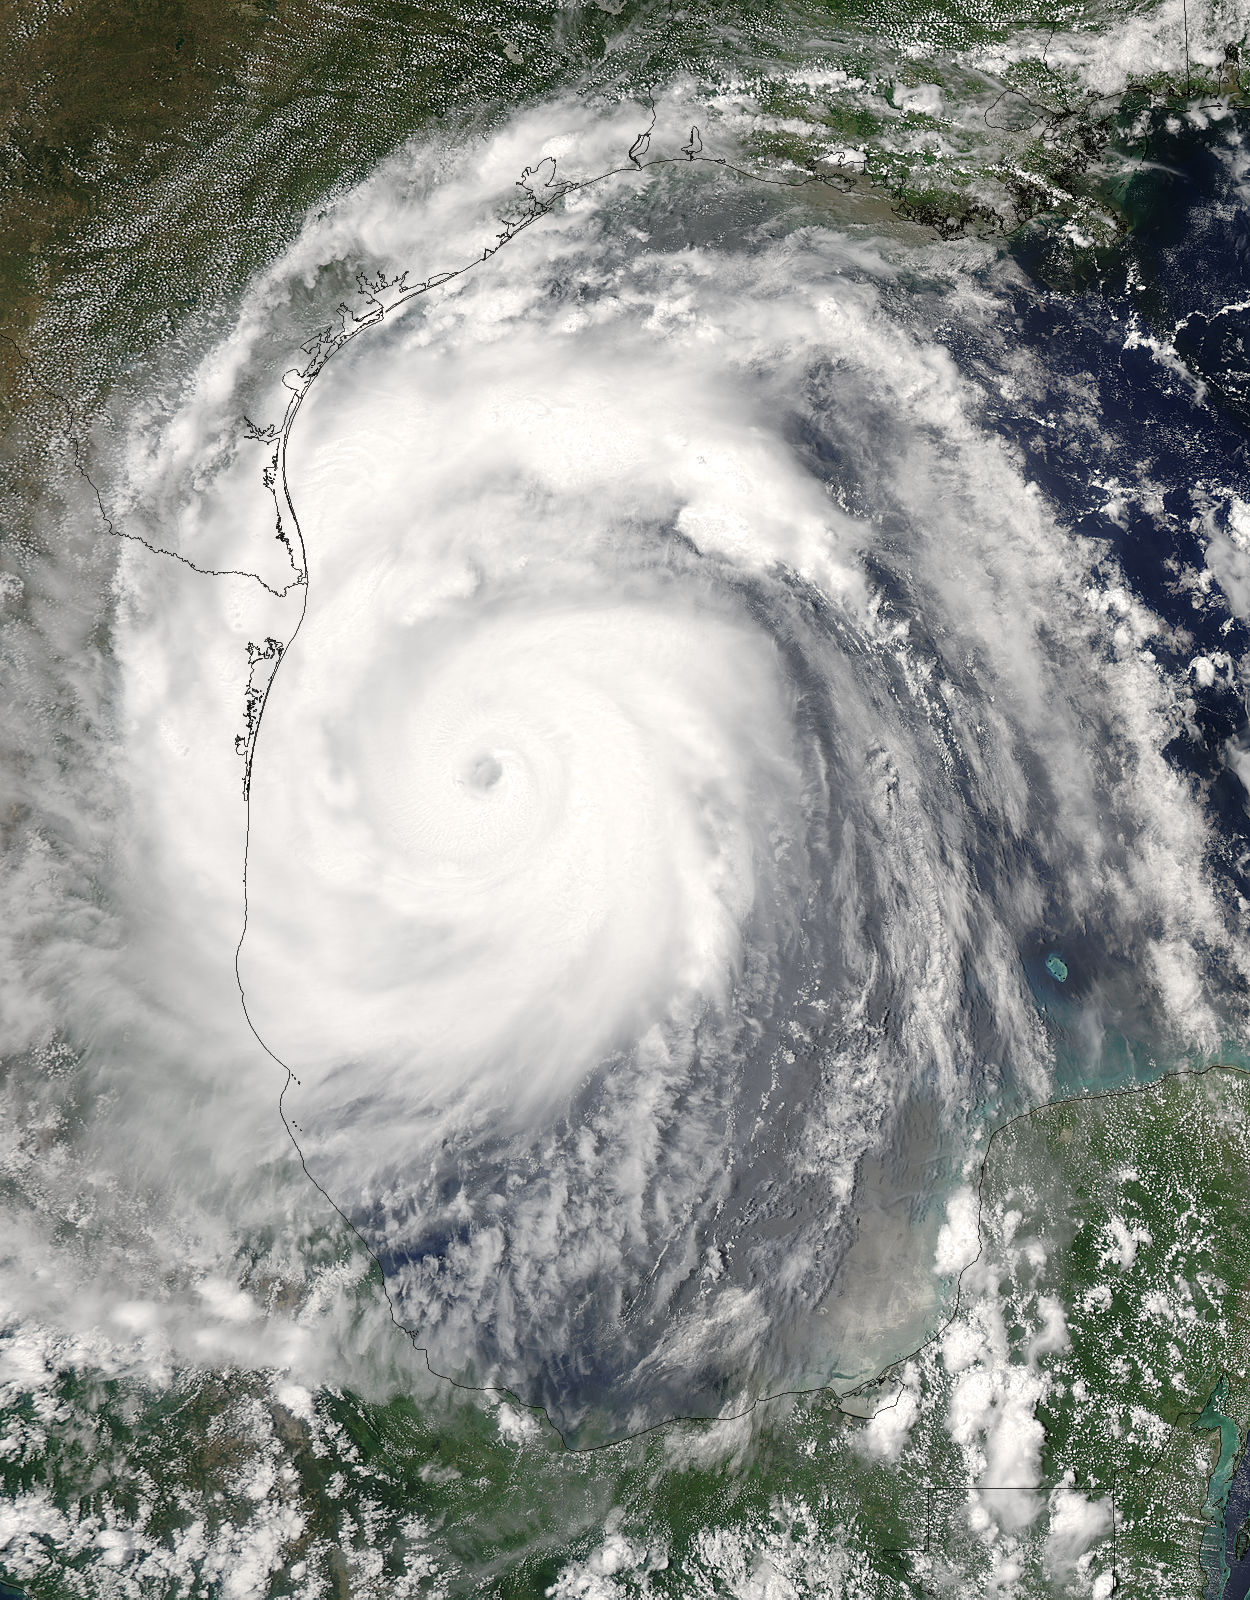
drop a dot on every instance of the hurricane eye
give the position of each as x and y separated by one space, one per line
691 772
484 772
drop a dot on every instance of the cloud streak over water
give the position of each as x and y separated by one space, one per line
698 731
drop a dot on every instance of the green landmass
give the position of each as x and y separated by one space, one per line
155 153
152 157
1107 1308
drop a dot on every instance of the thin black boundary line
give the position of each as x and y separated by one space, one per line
321 355
1239 1318
316 365
78 450
321 349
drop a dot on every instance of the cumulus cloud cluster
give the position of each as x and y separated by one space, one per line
672 728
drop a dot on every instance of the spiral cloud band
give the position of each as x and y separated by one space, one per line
697 732
544 840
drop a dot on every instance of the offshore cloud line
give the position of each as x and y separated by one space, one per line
696 721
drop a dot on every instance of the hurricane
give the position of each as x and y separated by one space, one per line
632 764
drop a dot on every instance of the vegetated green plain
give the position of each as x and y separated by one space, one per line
152 158
1126 1212
155 154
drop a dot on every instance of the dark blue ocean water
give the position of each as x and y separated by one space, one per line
1134 427
1178 279
1217 1506
1237 1549
1186 259
1145 401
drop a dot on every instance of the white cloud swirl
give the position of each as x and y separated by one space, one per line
697 727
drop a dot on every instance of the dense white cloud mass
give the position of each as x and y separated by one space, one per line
691 735
542 842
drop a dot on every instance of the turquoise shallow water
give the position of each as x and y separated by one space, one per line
1214 1540
1090 408
1236 1525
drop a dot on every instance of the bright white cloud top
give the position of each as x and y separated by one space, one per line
691 735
